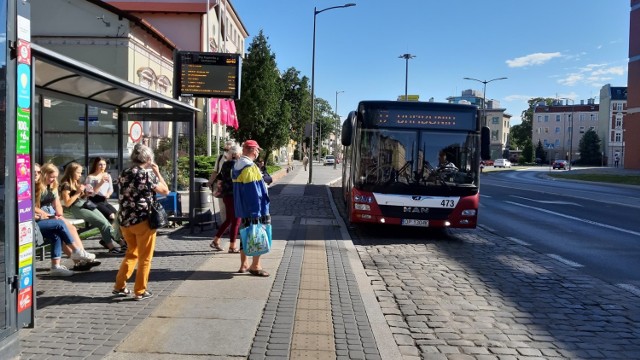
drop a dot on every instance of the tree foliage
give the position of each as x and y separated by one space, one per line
262 115
590 149
523 132
296 94
541 153
527 153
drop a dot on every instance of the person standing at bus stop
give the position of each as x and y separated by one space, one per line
251 199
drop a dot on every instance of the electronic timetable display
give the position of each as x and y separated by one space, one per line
207 75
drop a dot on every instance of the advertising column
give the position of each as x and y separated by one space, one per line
24 190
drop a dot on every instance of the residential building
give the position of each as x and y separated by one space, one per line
632 119
559 127
496 119
189 23
613 108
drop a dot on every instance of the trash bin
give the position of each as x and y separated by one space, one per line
203 200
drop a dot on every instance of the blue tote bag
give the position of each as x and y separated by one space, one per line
256 239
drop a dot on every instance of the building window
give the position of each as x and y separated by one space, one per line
495 120
557 143
618 137
618 121
557 130
539 118
494 135
558 117
582 117
592 128
546 130
546 118
581 129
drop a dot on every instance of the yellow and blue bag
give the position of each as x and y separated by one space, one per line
256 238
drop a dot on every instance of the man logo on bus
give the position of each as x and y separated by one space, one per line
415 209
416 198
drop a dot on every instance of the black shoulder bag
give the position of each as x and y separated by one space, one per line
157 215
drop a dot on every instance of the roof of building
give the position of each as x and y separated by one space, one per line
618 93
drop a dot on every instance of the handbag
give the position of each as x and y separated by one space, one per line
89 205
157 216
256 238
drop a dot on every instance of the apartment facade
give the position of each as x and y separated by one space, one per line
560 127
497 119
613 109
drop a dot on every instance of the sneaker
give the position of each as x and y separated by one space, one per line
60 270
143 296
121 292
85 265
82 255
115 252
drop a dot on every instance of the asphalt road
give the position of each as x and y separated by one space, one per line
590 226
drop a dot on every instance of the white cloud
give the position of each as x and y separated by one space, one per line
518 98
571 79
532 59
593 75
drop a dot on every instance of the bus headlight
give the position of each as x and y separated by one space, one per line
362 207
469 212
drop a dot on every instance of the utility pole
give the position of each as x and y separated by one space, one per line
406 57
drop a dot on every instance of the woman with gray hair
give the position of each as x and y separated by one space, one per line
138 186
224 179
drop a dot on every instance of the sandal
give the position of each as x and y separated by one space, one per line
234 251
260 273
216 247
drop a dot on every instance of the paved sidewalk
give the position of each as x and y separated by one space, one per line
317 303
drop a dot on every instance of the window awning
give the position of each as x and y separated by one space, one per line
62 74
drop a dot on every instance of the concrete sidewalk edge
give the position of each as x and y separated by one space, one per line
387 345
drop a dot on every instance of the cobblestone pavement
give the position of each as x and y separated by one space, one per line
471 294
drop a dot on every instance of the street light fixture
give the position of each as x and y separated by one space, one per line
335 144
313 70
406 57
573 105
484 96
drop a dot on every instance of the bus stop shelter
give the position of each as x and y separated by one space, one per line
57 74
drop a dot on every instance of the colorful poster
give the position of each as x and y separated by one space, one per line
25 257
25 299
24 86
24 52
25 210
25 233
26 277
23 141
23 176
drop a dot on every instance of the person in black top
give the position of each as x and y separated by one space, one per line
265 174
224 178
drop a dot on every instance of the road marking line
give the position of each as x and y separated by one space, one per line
548 202
630 288
518 241
486 228
577 219
564 261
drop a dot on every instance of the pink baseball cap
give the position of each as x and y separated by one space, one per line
251 144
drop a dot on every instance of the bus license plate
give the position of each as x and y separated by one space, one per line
414 222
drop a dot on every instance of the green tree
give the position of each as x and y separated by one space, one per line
541 153
297 95
261 113
590 149
527 153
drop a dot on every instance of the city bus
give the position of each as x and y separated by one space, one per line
413 163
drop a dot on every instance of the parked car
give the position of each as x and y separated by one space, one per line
560 164
503 163
329 160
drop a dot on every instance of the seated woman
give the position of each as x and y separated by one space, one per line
63 236
75 198
99 186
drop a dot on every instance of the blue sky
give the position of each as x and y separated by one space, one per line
548 48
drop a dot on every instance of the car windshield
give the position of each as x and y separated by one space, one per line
424 162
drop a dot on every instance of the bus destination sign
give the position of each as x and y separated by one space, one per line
426 119
202 74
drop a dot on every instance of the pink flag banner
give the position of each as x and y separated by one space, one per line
223 111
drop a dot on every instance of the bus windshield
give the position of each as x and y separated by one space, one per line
425 162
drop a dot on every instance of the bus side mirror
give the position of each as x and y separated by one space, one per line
485 143
347 129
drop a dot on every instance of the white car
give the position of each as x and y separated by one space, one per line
504 163
329 160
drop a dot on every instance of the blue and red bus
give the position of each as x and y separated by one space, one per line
413 163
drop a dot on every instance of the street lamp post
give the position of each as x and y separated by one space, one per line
484 96
406 57
573 105
313 70
335 144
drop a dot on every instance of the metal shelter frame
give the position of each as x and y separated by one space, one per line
59 74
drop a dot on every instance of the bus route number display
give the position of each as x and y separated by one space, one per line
207 75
